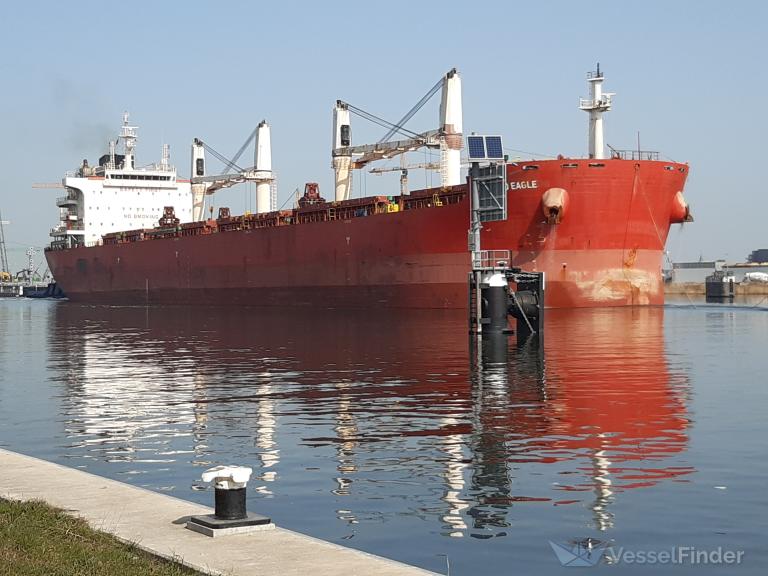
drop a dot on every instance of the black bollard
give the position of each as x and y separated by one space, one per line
230 515
230 504
495 295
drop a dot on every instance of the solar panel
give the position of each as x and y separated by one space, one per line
485 148
476 146
493 148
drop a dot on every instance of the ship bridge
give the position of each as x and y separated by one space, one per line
116 195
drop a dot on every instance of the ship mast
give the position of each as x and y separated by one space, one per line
597 103
128 134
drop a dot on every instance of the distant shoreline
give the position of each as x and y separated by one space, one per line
741 289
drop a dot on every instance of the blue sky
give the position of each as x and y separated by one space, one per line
690 76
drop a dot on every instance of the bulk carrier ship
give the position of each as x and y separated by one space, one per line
596 226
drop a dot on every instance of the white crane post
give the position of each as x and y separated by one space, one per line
451 127
198 189
342 161
597 103
262 160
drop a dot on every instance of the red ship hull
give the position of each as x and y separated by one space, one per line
605 249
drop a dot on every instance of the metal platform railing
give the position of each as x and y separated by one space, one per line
491 260
589 103
68 199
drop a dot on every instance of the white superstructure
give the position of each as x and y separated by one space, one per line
116 195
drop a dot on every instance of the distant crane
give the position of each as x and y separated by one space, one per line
28 274
5 274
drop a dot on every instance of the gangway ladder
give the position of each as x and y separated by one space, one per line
475 302
273 192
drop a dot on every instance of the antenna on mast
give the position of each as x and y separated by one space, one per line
165 160
128 134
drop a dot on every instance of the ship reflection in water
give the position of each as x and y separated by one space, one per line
597 400
354 421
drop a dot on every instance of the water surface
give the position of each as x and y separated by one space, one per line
390 432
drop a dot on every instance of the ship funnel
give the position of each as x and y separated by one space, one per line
262 158
342 158
597 103
451 128
198 189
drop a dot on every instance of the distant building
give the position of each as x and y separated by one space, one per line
758 256
683 272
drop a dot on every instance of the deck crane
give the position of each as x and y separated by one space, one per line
261 172
447 137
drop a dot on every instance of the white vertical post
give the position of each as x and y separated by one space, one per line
198 190
596 145
166 157
342 161
263 165
451 126
597 103
128 134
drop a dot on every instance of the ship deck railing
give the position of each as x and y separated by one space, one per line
63 229
634 154
67 199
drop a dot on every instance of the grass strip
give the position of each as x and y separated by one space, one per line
39 540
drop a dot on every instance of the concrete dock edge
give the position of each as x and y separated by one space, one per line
156 523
